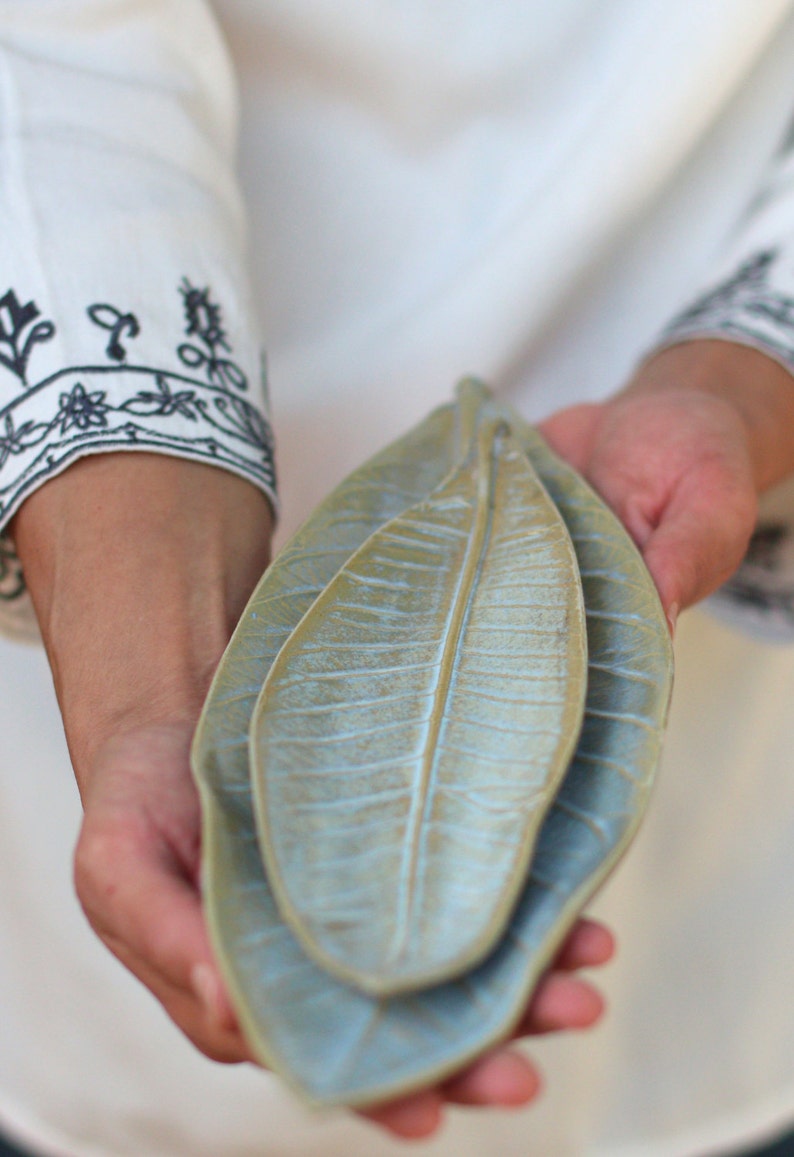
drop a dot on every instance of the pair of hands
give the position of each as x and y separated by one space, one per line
134 630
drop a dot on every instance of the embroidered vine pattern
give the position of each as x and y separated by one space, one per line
80 410
13 440
119 324
162 401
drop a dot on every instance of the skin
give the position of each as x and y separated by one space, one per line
133 634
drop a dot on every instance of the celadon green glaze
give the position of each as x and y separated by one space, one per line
416 724
394 479
332 1042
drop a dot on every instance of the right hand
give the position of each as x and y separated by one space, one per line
681 455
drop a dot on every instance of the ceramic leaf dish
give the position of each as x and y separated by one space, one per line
333 1041
413 729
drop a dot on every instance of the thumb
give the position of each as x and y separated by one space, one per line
699 538
139 900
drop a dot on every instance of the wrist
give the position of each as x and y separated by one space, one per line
758 389
139 566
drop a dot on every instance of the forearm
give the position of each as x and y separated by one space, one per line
139 566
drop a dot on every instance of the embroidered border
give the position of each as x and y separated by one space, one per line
195 409
12 580
746 305
760 595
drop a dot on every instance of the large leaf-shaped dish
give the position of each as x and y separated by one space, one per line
630 676
414 727
333 1043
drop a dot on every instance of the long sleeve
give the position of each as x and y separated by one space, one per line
126 315
749 295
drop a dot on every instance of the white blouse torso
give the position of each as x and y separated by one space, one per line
526 191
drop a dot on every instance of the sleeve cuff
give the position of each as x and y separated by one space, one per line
753 306
195 402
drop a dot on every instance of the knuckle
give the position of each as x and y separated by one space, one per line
97 860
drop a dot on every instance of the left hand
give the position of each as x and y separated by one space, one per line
681 455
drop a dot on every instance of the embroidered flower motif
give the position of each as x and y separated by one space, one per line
15 317
203 321
81 409
203 316
14 320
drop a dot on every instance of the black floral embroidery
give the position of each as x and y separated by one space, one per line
117 404
162 401
14 441
765 546
108 317
81 409
12 579
746 303
16 346
203 317
764 582
248 422
203 321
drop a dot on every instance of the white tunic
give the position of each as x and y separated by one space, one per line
523 190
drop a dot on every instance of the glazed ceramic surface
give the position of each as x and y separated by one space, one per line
334 1043
416 724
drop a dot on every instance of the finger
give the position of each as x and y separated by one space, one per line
134 891
138 900
588 945
561 1002
190 1016
413 1117
504 1078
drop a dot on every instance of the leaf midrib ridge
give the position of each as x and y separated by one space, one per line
487 449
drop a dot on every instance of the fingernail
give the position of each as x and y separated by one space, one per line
672 616
205 986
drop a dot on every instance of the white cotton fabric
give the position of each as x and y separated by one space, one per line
523 190
126 318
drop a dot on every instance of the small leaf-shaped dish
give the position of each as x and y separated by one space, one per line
414 727
400 475
333 1043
